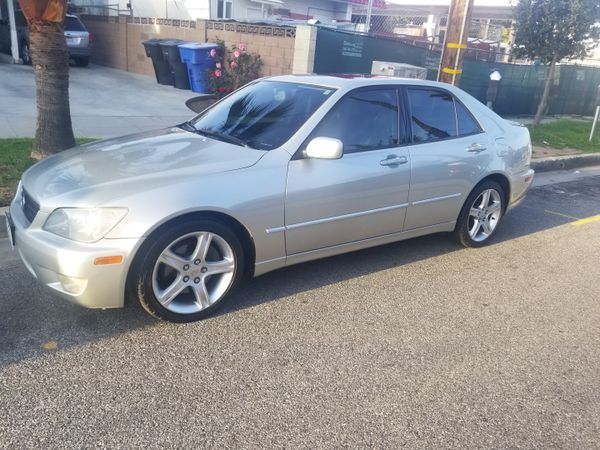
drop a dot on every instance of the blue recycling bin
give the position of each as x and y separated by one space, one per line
198 60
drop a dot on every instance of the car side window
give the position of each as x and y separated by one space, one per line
466 123
363 120
432 114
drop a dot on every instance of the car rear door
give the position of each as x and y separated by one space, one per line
364 193
449 152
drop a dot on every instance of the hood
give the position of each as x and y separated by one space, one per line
139 161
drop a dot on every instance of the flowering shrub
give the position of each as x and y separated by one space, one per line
234 68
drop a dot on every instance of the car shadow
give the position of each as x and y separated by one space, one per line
31 319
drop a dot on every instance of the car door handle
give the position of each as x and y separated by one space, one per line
393 160
476 148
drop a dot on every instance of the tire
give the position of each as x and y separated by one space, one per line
480 215
179 278
82 61
25 53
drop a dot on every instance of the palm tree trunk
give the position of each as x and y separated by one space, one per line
542 107
50 60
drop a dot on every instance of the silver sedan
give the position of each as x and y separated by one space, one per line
285 170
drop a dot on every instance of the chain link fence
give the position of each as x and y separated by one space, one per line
489 39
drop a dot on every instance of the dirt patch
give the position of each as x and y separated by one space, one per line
549 152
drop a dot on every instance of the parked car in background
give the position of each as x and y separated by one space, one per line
79 39
284 170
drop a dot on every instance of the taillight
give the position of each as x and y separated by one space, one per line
91 37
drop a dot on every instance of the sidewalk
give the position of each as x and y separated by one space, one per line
105 102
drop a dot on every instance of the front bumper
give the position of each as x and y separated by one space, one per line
67 267
80 51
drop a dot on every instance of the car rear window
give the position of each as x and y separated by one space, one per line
73 24
466 124
432 115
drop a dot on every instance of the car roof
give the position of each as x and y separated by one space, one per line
348 81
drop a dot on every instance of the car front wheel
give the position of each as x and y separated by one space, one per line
480 215
187 272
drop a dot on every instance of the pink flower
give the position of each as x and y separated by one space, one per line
243 47
233 64
237 53
218 65
213 52
217 73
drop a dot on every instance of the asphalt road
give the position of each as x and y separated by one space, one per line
419 344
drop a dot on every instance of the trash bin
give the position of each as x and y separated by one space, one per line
198 60
161 68
170 52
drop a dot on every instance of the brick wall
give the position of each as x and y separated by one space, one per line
118 40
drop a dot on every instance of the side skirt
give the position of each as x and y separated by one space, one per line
273 264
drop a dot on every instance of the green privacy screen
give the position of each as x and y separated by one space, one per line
519 92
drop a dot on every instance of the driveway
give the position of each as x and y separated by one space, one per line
419 344
105 102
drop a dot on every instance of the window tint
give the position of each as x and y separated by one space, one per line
363 120
466 123
73 24
432 115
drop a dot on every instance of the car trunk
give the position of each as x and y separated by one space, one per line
75 33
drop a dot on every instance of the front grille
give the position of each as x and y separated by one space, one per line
30 206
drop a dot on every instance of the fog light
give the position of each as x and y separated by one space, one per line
72 285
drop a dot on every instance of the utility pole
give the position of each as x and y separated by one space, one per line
455 42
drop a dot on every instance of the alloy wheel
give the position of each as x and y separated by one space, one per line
193 272
484 215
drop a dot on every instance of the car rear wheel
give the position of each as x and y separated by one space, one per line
189 270
480 215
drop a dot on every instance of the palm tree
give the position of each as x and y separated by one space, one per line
50 60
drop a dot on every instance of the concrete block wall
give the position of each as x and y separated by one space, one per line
275 45
118 40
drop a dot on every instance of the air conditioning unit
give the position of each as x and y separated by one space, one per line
393 69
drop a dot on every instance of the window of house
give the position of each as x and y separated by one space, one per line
224 9
363 120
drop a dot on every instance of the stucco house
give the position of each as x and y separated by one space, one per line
242 10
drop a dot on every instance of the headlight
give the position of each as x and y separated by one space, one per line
84 224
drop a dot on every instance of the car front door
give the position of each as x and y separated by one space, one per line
449 152
364 193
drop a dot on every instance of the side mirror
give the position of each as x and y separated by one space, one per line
324 148
200 103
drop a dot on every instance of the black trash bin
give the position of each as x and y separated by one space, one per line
163 72
170 51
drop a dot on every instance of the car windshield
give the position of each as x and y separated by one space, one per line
262 115
73 24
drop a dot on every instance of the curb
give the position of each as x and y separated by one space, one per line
565 162
3 232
